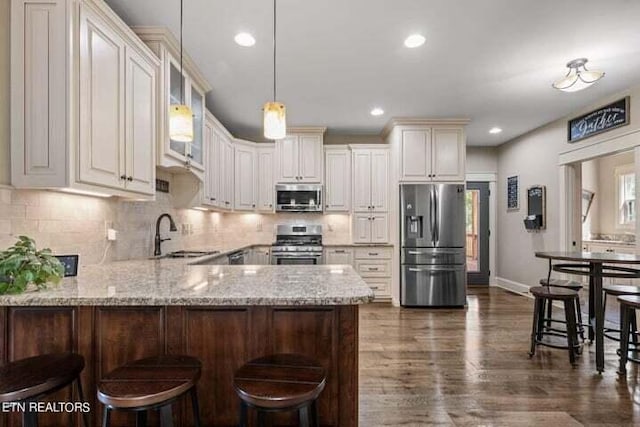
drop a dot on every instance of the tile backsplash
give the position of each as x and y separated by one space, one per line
76 224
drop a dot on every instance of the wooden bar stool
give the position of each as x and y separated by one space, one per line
546 295
148 384
566 284
628 306
618 291
279 383
28 380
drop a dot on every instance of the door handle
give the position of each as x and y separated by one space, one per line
435 216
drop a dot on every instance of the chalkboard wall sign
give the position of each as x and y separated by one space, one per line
513 201
601 120
536 218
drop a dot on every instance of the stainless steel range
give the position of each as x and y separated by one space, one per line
297 244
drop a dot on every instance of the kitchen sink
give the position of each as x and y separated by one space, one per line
189 254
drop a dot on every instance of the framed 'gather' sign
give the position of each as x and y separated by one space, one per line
603 119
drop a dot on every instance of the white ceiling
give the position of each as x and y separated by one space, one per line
492 61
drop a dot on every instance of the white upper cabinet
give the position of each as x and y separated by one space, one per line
174 88
98 132
370 180
245 177
337 179
370 195
299 156
212 161
448 154
265 185
432 153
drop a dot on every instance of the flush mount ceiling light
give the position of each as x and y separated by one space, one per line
414 40
180 115
244 39
495 130
377 111
578 77
274 113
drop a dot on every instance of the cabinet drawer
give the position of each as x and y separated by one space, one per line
381 287
373 253
373 268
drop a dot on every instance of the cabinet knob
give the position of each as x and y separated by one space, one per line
253 205
270 205
129 178
123 177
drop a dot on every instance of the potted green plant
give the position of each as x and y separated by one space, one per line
22 265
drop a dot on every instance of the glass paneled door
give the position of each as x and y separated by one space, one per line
477 240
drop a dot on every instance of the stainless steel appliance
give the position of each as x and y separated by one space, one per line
236 258
299 198
297 244
432 236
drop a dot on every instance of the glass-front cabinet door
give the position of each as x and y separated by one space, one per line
192 152
196 148
176 83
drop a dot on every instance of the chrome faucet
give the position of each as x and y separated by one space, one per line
172 227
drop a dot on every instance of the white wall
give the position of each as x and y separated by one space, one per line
590 182
5 172
482 160
535 158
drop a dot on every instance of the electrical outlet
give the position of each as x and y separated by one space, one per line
108 225
112 234
330 226
184 229
259 225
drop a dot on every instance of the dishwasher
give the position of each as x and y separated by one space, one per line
236 258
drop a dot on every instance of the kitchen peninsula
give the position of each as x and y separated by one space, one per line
223 315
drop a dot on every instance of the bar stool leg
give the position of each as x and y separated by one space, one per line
549 313
579 316
85 415
315 418
106 417
624 337
570 314
29 418
166 416
195 407
303 417
540 327
141 419
634 328
534 327
243 414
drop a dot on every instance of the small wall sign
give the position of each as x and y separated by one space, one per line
513 201
601 120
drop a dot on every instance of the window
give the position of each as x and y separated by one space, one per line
626 195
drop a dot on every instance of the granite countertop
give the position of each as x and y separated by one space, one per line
176 282
611 242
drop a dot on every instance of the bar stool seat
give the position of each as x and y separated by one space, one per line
546 295
151 383
628 306
35 377
566 284
617 291
280 382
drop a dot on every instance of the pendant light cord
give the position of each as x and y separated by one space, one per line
181 71
274 50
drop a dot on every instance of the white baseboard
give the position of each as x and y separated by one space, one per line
510 285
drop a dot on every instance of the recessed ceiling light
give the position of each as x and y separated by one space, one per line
245 39
414 40
377 112
495 130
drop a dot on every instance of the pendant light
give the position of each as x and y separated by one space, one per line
578 77
275 120
180 115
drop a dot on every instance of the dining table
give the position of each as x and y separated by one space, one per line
596 266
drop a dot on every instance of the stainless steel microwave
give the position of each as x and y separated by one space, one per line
298 198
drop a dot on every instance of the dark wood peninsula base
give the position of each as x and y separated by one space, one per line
222 337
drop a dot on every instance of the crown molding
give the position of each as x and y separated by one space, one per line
164 36
418 121
307 129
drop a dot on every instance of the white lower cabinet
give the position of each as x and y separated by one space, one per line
260 255
374 265
338 256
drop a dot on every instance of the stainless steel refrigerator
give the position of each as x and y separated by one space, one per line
432 239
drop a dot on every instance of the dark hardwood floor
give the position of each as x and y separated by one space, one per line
470 367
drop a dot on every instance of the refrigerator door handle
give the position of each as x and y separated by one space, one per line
438 269
432 215
436 231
